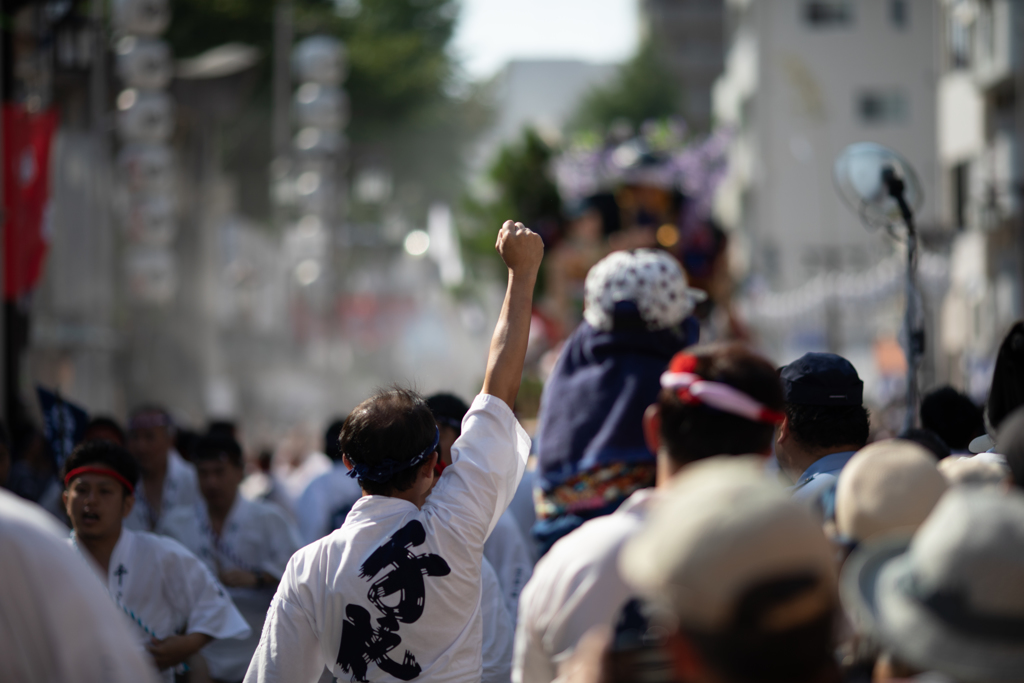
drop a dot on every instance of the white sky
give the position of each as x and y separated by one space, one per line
492 32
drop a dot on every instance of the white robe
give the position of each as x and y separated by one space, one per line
498 631
55 622
575 587
395 593
322 507
165 590
256 537
509 555
181 489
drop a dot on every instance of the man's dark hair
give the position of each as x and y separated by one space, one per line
692 432
225 427
185 442
102 423
931 441
332 447
821 427
953 416
448 409
394 424
748 653
1007 390
106 453
218 447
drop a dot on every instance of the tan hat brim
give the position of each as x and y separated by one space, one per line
871 591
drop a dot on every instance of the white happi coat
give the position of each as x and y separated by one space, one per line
256 537
498 631
509 554
575 587
165 590
55 622
181 489
324 504
395 593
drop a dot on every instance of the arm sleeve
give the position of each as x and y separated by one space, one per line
488 461
196 592
288 650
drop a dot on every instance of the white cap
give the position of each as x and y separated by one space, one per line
887 487
721 530
650 278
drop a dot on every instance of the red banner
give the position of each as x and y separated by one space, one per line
26 139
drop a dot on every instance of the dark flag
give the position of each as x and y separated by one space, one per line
63 423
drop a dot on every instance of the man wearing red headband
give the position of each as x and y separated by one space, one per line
175 604
719 399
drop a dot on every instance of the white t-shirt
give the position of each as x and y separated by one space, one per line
55 622
575 587
511 559
165 590
498 631
256 537
394 594
181 488
323 505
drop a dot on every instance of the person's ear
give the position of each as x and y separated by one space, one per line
782 435
126 506
348 463
686 661
64 500
652 427
427 468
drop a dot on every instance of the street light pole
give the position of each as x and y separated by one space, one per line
284 31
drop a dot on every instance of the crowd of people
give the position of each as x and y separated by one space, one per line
687 512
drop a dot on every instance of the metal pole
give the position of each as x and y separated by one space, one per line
915 337
3 237
283 36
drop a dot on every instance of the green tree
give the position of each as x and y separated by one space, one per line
525 192
643 89
400 79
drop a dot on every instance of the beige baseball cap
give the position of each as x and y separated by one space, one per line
984 469
888 487
721 530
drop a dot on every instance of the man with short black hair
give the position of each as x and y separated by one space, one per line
175 603
826 423
395 593
245 543
954 417
718 399
743 576
167 480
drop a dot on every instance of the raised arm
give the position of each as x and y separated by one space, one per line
522 250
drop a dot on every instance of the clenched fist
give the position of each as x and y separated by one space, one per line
521 248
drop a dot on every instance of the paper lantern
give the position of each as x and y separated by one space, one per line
141 17
319 59
145 116
144 63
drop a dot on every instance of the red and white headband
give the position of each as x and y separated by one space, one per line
693 389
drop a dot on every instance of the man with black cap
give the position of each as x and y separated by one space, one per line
826 422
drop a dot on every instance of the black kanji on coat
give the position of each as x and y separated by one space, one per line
361 643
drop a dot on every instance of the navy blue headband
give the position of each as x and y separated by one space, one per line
387 468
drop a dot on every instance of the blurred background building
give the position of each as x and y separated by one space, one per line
285 242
